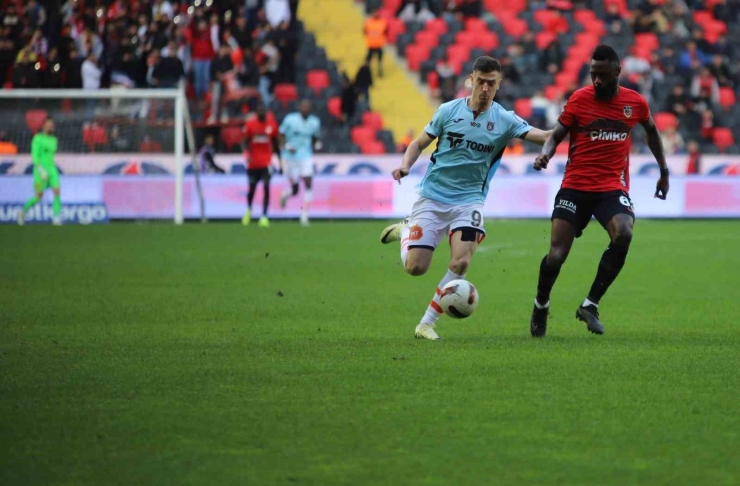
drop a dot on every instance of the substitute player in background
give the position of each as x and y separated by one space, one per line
472 135
299 137
599 119
45 173
261 141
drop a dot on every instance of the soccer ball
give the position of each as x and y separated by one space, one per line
458 299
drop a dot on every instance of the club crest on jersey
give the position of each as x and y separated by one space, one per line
490 126
628 111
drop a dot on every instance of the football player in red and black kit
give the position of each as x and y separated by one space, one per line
261 140
599 119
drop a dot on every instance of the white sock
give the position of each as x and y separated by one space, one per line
405 231
434 311
308 196
587 303
287 192
540 306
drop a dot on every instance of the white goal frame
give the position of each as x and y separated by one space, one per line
175 94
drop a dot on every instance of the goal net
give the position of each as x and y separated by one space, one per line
121 153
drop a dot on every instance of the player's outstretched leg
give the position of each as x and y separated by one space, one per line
612 261
288 192
562 235
264 220
463 243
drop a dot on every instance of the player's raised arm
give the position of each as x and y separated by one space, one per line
416 147
557 135
656 147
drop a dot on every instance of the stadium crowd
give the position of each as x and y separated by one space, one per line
92 44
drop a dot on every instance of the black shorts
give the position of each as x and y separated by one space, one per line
255 175
577 207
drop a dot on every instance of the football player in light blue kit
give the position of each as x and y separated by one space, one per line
472 134
299 136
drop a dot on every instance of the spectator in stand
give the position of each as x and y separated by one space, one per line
514 147
697 35
724 12
721 71
509 71
705 88
540 109
470 8
286 40
694 164
52 74
91 73
39 43
364 81
724 48
349 99
162 11
220 67
551 58
248 72
649 17
7 52
376 32
25 74
73 70
169 71
36 13
203 54
241 32
672 141
270 61
447 82
707 125
277 12
678 102
6 146
252 13
690 55
88 42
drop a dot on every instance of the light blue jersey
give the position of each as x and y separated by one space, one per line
468 151
298 132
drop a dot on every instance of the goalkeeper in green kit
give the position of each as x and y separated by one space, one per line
45 173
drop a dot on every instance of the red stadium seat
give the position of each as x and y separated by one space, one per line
516 28
552 92
433 80
285 93
723 138
647 40
361 135
318 80
727 98
584 16
543 16
458 53
395 27
93 135
487 41
372 147
334 107
437 26
715 28
231 137
468 39
150 147
427 39
504 16
596 27
35 119
523 107
703 16
474 24
415 55
664 120
372 120
544 39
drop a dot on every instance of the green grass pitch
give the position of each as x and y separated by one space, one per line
155 354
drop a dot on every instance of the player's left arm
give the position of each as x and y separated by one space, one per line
535 135
656 147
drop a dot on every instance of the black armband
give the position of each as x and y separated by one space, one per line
664 172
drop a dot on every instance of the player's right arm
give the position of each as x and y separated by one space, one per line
414 150
36 156
416 147
548 150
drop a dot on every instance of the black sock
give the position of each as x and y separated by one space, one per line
265 197
548 275
250 194
610 265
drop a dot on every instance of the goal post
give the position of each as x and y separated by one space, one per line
109 132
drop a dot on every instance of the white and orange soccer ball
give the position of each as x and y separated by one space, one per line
458 299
